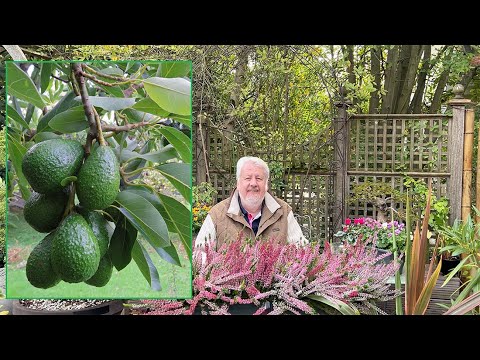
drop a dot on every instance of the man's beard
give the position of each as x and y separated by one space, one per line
252 199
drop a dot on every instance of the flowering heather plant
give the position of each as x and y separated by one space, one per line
379 233
291 278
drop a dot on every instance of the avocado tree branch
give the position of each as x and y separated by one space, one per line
101 140
87 106
106 76
127 127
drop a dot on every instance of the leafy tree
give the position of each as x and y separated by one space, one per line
132 107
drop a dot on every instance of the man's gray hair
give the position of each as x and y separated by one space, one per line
255 160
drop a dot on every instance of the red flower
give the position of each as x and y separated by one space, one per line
348 221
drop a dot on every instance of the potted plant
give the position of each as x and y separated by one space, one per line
282 279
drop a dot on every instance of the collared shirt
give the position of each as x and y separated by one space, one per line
252 220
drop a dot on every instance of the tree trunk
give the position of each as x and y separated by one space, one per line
375 52
409 80
391 68
437 97
401 75
416 104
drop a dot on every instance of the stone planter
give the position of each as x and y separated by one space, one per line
113 307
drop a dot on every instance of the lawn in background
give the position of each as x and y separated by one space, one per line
129 283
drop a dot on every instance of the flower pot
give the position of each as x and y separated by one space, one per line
238 309
113 307
449 264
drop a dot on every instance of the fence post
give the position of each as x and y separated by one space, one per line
201 142
340 145
460 171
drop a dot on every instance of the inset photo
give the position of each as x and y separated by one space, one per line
99 179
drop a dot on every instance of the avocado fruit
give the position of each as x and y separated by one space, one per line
99 227
75 252
39 269
47 163
43 212
98 179
103 274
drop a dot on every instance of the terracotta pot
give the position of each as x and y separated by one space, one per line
113 307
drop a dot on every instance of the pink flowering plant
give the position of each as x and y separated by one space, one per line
292 279
374 231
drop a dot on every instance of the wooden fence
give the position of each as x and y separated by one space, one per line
318 177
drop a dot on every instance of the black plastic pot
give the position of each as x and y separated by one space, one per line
113 307
449 264
238 309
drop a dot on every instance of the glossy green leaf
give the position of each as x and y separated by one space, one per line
181 220
180 175
145 218
45 76
338 305
173 69
181 142
112 71
121 243
171 94
110 103
16 152
21 86
169 254
135 116
42 136
68 180
176 215
15 116
64 104
149 106
146 266
112 90
159 157
70 121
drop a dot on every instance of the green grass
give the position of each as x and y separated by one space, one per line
129 283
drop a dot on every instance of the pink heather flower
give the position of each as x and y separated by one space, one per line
284 275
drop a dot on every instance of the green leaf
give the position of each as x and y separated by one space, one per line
176 215
21 86
112 71
169 254
121 243
185 120
112 90
180 142
145 264
110 103
145 218
65 103
180 218
173 69
137 116
68 180
180 175
42 136
15 116
159 157
339 305
172 94
45 76
149 106
16 152
70 121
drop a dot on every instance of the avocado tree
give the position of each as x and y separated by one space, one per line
80 138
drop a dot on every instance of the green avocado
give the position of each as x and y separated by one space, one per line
103 274
44 212
47 163
75 252
99 226
98 179
39 268
64 104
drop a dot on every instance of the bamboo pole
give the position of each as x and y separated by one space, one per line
467 163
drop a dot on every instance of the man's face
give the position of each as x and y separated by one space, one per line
252 185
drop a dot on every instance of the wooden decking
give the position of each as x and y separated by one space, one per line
440 295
